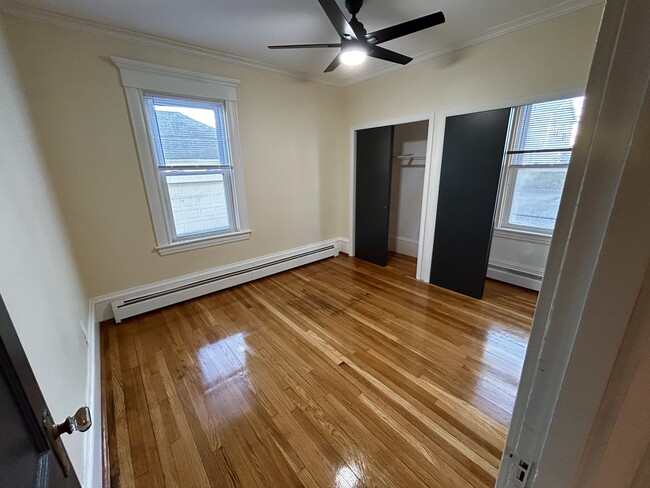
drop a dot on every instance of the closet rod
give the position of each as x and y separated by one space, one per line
414 157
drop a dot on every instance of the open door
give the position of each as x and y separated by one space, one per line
373 188
472 157
31 450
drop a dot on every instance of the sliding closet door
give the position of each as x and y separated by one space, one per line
469 182
372 209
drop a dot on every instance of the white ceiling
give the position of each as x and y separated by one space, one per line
245 27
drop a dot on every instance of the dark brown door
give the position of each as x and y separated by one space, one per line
372 209
27 456
472 156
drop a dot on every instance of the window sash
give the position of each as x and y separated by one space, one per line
542 126
511 169
221 118
169 214
162 170
539 151
508 194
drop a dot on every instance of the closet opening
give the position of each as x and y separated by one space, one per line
407 184
389 172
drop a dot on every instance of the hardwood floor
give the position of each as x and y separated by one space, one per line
336 374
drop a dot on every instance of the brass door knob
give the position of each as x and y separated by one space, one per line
80 421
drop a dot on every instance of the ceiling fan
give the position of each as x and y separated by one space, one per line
357 43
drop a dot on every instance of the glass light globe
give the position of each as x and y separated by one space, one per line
353 57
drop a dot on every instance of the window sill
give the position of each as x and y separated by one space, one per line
522 235
202 242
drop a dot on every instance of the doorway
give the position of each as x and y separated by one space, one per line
407 184
389 166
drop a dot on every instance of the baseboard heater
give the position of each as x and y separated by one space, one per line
516 277
218 279
517 272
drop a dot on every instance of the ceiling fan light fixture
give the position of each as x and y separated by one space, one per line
353 56
357 43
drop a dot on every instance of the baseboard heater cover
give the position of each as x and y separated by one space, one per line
228 276
517 272
516 277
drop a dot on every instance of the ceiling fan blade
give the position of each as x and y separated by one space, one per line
405 28
337 19
303 46
387 55
333 65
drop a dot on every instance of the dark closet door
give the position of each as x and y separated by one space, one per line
373 178
469 182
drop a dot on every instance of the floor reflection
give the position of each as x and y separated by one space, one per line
348 476
335 375
224 374
217 367
502 352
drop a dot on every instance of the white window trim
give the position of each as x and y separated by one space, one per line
138 77
506 192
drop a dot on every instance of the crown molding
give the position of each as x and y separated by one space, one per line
559 10
91 27
61 20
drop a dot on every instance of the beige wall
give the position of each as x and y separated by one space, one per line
38 278
294 134
295 139
547 57
291 138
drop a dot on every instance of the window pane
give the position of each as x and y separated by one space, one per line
549 125
187 132
536 197
199 203
560 157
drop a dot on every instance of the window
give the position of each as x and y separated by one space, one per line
186 135
536 160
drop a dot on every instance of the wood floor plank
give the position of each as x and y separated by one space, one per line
338 373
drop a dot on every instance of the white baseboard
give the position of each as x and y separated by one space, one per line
515 273
403 245
104 310
93 438
344 245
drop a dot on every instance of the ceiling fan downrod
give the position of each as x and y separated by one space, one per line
353 6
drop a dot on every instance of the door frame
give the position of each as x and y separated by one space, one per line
596 270
428 117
